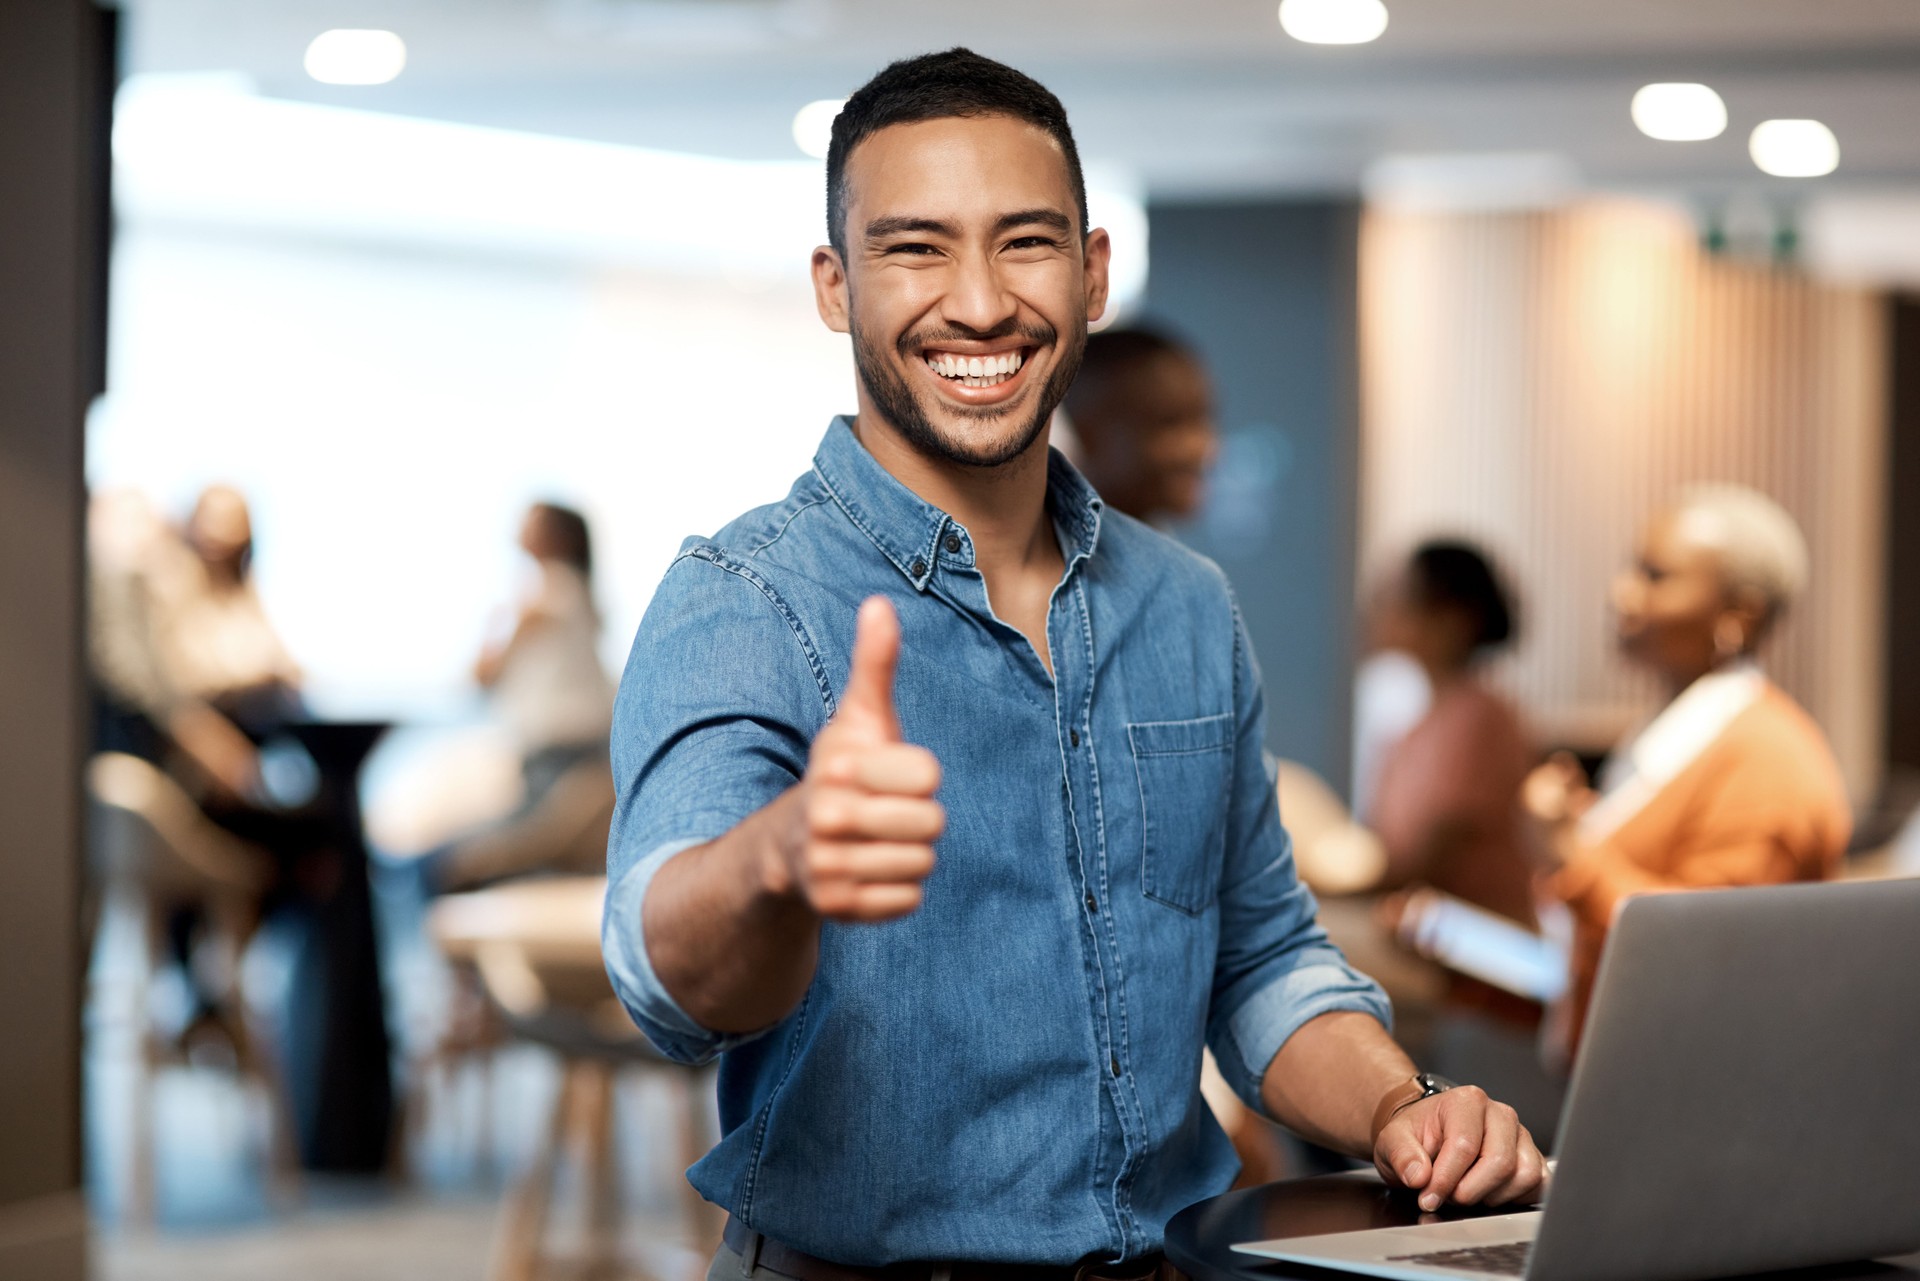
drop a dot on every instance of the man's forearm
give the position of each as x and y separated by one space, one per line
1330 1075
731 944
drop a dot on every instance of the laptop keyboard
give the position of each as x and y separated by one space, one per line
1509 1259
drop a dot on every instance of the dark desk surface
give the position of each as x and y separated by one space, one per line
1200 1238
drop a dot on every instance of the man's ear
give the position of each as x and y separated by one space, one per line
1099 255
830 288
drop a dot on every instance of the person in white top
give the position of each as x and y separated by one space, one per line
216 639
550 690
546 679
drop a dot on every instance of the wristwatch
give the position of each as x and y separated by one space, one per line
1421 1085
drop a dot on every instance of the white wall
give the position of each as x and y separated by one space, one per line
391 411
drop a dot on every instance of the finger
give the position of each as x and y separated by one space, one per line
902 769
1529 1179
859 863
1462 1117
882 901
1499 1156
876 652
876 816
1399 1157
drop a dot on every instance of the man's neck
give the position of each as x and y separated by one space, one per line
1004 508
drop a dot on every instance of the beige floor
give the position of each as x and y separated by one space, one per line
400 1241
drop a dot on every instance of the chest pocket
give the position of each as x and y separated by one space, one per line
1185 769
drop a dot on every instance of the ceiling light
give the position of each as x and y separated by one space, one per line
1679 112
355 56
1333 21
1794 148
813 126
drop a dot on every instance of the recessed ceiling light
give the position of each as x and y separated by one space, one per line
355 56
1333 21
1794 148
813 126
1679 112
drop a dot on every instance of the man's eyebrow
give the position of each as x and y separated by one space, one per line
1052 219
907 224
900 224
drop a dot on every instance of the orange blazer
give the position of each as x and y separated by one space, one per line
1763 804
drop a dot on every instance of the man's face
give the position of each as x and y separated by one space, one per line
966 285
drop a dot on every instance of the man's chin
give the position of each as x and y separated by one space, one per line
970 437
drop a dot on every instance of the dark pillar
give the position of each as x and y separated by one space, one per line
1267 292
1903 542
55 61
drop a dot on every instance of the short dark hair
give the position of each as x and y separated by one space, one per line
1451 574
1114 353
1112 349
938 86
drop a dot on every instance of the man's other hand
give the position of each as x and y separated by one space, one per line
1461 1146
867 819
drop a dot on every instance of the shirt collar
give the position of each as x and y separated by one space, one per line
908 530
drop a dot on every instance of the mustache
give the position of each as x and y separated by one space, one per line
1040 335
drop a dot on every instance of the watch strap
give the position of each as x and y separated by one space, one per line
1410 1091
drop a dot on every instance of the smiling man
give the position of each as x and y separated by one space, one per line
943 818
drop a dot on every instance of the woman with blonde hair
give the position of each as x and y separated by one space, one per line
1730 782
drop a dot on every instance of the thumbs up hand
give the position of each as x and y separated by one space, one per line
868 819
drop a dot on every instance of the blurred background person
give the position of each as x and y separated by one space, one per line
141 707
1730 782
548 688
1142 416
1446 805
221 646
1447 801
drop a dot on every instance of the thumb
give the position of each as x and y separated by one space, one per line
1402 1154
876 652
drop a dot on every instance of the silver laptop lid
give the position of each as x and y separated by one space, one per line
1747 1096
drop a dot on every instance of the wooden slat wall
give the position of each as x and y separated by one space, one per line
1542 382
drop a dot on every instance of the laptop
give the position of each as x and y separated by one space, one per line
1747 1098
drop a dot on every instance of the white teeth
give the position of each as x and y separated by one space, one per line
976 371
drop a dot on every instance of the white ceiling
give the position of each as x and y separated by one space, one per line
1192 96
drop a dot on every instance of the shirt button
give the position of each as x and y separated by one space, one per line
919 568
953 543
1073 736
1093 905
1114 1063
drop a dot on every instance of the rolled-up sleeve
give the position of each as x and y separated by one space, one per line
717 706
1276 968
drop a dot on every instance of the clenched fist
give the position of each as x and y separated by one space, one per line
867 818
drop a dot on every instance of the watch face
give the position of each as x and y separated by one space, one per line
1433 1083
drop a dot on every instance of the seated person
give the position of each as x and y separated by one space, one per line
1447 802
1731 783
550 690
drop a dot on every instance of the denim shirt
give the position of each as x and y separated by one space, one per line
1011 1073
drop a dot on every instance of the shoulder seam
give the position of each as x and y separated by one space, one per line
720 560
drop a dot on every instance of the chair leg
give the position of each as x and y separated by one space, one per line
523 1221
600 1169
142 1160
699 1221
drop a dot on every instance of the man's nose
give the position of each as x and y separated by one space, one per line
979 299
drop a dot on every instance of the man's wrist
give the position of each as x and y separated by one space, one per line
780 845
1421 1085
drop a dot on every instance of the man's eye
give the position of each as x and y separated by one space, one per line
1033 242
912 248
